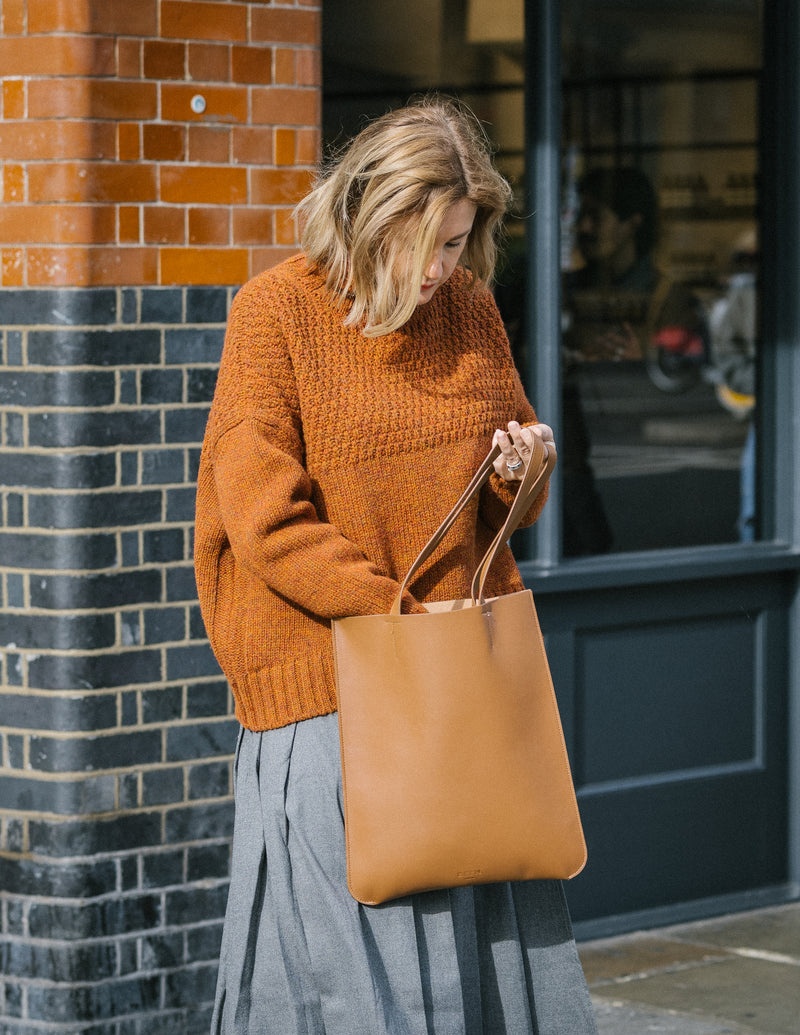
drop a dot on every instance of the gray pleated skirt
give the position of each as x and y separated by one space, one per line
301 957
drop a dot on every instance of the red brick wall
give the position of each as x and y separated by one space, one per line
108 175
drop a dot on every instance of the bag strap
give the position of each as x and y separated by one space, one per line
537 473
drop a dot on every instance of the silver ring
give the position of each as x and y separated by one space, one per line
516 466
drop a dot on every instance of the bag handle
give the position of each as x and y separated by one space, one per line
536 475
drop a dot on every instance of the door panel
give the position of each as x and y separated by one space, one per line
673 700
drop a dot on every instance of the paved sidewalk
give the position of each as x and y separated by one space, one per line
733 975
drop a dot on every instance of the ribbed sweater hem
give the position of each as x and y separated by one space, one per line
300 688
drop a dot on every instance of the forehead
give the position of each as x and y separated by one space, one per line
458 219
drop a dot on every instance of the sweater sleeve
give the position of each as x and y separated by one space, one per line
275 532
262 490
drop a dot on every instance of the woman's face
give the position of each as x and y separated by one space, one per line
450 243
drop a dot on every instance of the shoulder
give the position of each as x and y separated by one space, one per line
292 276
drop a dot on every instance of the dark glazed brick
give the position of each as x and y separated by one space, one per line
163 546
128 388
92 1003
209 781
165 625
162 787
12 1006
20 550
162 305
162 386
162 951
15 840
131 555
98 510
202 740
15 748
94 672
59 470
59 963
191 662
186 425
204 943
130 306
129 873
163 869
57 388
57 632
128 958
189 987
197 629
65 714
63 798
15 513
128 791
15 590
206 305
181 583
14 430
130 709
27 877
65 348
200 385
191 904
190 345
67 430
90 837
14 669
162 705
194 464
68 308
208 862
163 467
200 822
110 751
99 591
14 348
181 504
129 468
130 628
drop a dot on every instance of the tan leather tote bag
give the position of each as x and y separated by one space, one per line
454 765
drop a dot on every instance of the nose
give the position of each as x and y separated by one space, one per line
434 268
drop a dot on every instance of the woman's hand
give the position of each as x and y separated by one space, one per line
516 446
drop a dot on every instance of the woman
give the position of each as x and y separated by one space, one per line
361 384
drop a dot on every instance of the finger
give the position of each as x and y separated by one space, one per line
508 456
544 431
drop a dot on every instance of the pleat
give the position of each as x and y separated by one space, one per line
301 957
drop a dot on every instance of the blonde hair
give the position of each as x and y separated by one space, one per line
371 222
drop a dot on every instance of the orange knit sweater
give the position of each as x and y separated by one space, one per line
329 459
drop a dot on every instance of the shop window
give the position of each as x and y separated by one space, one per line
660 119
660 273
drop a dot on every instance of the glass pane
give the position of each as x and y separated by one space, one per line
660 272
379 54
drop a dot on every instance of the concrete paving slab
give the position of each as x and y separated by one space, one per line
775 930
640 954
733 975
615 1017
764 997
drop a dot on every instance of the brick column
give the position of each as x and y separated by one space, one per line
151 154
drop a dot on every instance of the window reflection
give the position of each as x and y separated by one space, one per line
660 286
